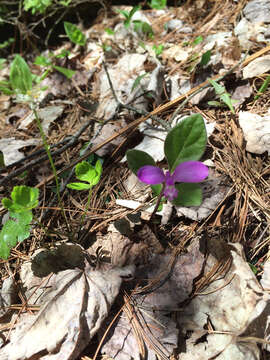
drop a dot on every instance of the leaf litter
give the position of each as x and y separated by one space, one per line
194 295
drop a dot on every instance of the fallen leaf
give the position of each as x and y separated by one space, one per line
65 323
256 131
230 304
157 330
257 67
10 148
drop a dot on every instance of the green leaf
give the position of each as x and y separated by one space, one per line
263 87
158 49
144 27
156 189
189 195
158 4
137 158
137 81
74 33
85 171
125 13
133 10
23 198
98 167
186 141
109 31
42 61
198 40
226 98
205 58
219 89
79 186
67 72
20 75
214 103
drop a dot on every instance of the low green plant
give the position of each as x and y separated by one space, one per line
263 88
17 227
89 176
137 81
36 6
158 4
128 14
158 49
74 33
224 96
139 26
47 63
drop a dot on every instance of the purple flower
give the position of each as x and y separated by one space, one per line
188 171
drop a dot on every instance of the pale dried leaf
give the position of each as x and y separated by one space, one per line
256 131
10 148
47 115
230 303
257 67
65 323
151 309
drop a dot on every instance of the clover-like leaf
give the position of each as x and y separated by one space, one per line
186 141
22 198
79 186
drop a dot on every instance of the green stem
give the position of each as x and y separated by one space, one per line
86 208
47 149
158 202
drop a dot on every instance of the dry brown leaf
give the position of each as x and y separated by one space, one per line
151 309
74 304
10 148
230 304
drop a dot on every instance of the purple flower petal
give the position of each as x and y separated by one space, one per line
190 172
151 175
170 192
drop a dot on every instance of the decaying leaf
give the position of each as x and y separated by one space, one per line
256 131
149 322
10 148
228 306
257 67
47 115
74 304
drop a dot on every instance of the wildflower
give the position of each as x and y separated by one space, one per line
188 172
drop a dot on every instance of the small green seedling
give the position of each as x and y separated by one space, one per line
74 33
47 63
90 175
205 58
17 227
224 96
263 88
87 173
128 14
158 49
158 4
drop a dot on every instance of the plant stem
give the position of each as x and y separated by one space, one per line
47 149
158 202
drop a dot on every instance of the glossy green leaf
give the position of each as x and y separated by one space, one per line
74 33
20 75
189 195
79 186
85 171
67 72
186 141
137 158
